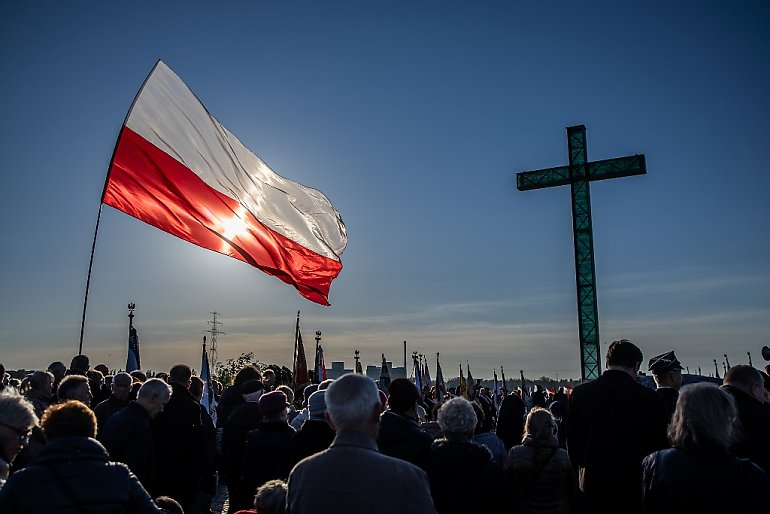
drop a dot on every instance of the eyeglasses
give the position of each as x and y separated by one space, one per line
23 435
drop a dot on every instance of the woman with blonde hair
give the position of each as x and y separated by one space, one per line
538 471
698 474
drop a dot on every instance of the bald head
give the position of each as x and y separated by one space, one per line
121 385
153 396
747 379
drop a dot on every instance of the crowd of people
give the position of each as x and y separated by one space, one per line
83 440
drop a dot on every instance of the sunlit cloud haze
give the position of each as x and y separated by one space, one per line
515 335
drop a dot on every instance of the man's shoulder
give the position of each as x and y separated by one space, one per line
363 458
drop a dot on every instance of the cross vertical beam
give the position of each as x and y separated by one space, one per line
585 269
578 175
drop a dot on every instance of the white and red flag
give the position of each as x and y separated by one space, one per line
178 169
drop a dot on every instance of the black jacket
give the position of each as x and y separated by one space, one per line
463 478
510 421
614 422
704 481
314 436
75 475
106 409
230 400
179 440
267 453
753 434
670 396
401 437
245 418
127 436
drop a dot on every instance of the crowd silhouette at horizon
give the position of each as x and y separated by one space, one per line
77 439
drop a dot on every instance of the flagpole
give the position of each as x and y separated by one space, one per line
316 361
101 204
88 279
296 342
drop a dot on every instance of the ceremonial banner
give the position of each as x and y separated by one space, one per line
440 385
207 400
178 169
133 362
417 375
301 376
384 382
320 366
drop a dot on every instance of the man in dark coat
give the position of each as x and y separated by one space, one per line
400 435
667 373
118 400
243 419
232 396
73 472
267 447
614 423
127 436
510 420
315 435
746 385
352 477
178 436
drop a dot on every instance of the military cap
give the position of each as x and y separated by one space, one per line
665 362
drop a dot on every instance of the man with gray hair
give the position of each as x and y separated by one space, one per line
352 476
17 418
127 436
462 474
118 400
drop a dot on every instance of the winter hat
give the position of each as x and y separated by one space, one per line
273 403
312 388
317 405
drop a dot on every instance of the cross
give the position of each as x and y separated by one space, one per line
578 175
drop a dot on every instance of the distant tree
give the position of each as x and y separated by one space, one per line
225 371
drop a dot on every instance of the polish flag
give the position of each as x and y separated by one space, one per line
178 169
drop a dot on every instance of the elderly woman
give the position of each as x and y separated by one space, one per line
73 472
699 474
17 418
463 477
538 471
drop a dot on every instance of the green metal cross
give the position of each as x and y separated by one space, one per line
578 175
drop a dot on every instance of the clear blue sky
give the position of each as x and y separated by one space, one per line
413 118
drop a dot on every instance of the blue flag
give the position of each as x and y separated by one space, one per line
133 362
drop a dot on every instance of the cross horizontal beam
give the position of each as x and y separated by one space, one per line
597 170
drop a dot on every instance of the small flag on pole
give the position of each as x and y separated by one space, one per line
417 373
504 385
207 400
440 385
471 384
301 376
384 381
320 371
133 362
